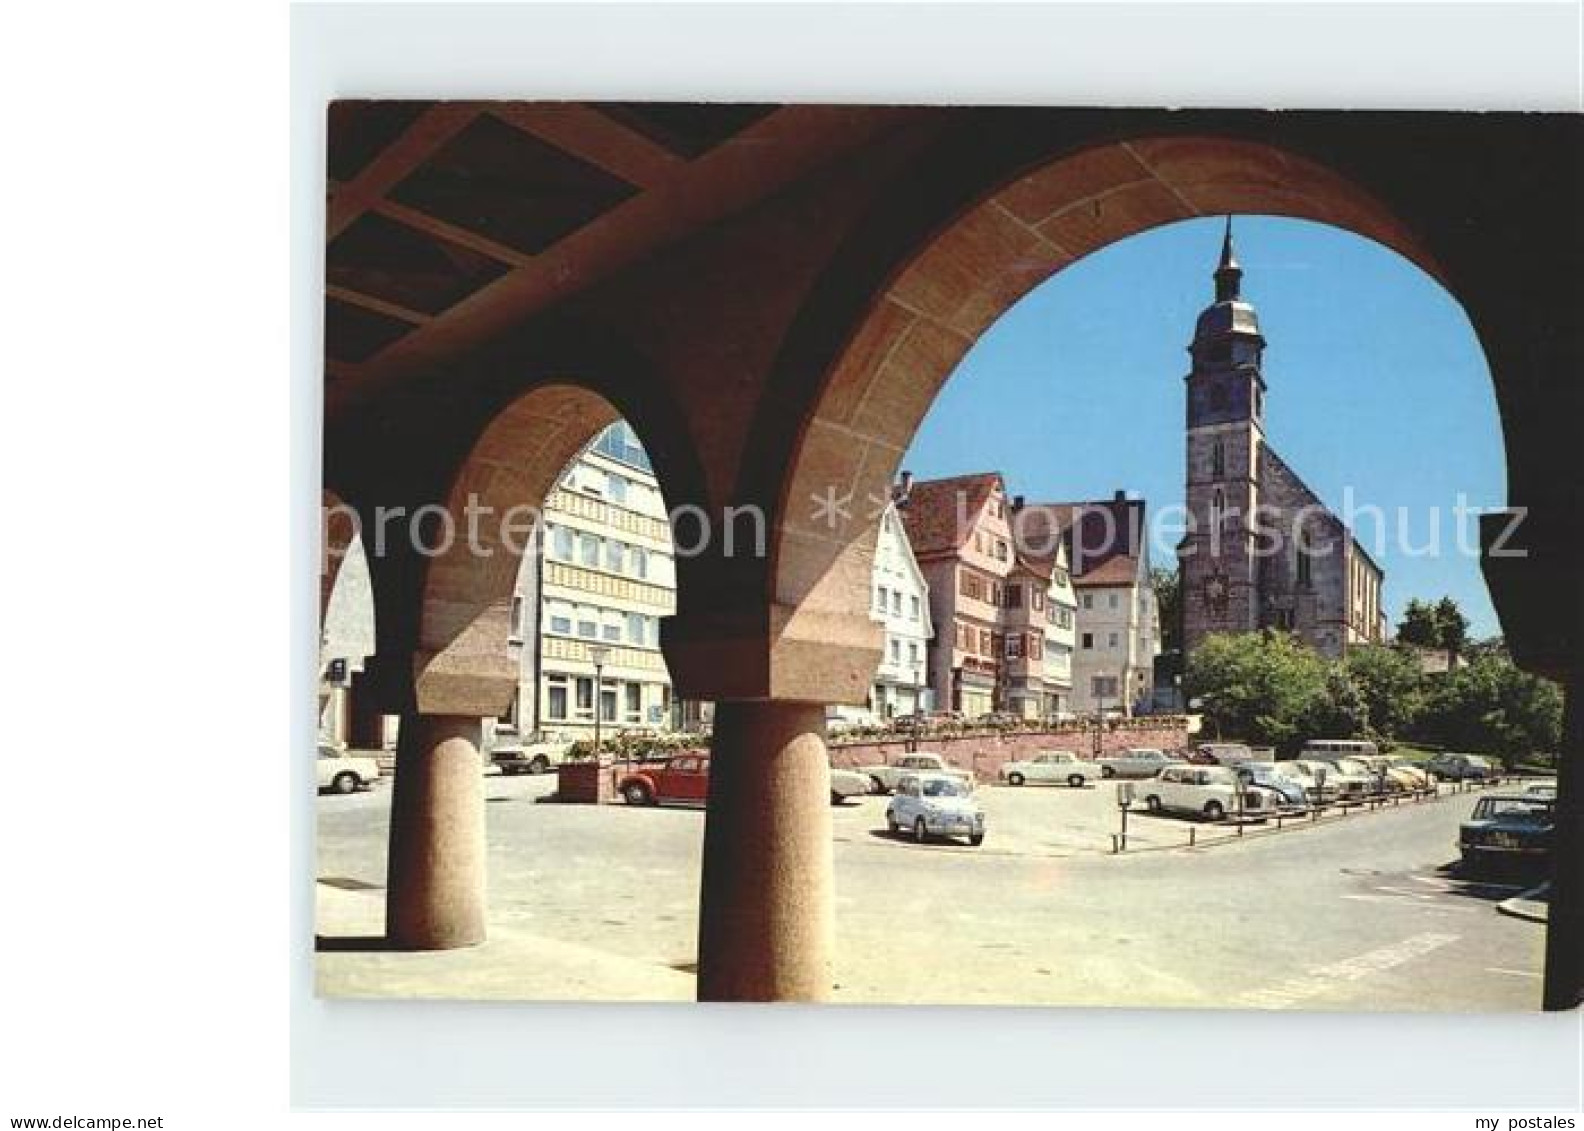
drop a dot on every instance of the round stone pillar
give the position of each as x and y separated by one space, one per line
435 897
766 909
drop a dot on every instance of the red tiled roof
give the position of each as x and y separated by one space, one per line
931 514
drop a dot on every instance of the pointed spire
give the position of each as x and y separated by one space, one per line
1228 275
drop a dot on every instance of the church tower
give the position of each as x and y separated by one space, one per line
1226 404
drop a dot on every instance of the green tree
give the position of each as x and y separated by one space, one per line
1491 706
1264 687
1167 584
1391 685
1340 711
1419 625
1451 626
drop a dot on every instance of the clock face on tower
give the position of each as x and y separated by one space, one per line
1216 591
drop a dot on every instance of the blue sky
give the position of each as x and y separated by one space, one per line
1376 382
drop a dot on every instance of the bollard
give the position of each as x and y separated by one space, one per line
1192 833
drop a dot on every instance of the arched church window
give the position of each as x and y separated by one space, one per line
1305 560
1218 460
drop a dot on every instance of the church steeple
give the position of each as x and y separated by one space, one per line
1228 275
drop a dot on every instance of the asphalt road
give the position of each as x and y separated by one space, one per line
1361 913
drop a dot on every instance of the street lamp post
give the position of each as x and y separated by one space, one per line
598 653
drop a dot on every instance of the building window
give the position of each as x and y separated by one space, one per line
640 562
1103 686
913 652
615 556
587 629
635 629
561 544
1036 646
913 607
612 633
556 700
896 602
634 693
561 624
589 550
896 651
1218 460
1111 640
1088 640
1014 647
1112 600
1014 595
1000 550
1305 560
1037 598
608 702
585 695
1088 600
616 487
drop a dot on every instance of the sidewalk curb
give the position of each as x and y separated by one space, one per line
1521 906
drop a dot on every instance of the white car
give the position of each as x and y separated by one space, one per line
1136 762
929 805
1052 766
1208 791
537 753
343 773
884 779
848 783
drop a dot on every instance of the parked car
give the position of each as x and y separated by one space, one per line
538 752
847 783
1354 780
680 780
1320 789
1329 749
884 779
1512 829
1547 787
1287 791
1135 762
343 773
1222 754
1411 773
1052 766
931 804
1462 767
1208 791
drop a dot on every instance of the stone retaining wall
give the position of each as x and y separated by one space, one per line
985 753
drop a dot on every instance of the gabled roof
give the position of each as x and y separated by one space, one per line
940 514
1104 539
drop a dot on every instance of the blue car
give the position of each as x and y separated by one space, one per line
1268 775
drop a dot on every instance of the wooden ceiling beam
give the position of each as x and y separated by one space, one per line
587 134
432 129
379 305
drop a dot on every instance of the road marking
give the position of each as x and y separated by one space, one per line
1321 979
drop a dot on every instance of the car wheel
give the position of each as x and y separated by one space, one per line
876 785
976 839
346 782
1152 803
637 793
1214 810
1075 780
1014 779
920 831
539 765
1107 772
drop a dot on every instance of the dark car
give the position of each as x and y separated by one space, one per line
1508 831
1461 767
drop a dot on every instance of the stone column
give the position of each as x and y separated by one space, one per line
366 725
1564 960
766 910
435 897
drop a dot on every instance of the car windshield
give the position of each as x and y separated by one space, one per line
1521 810
942 787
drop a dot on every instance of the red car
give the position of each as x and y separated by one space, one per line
682 780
